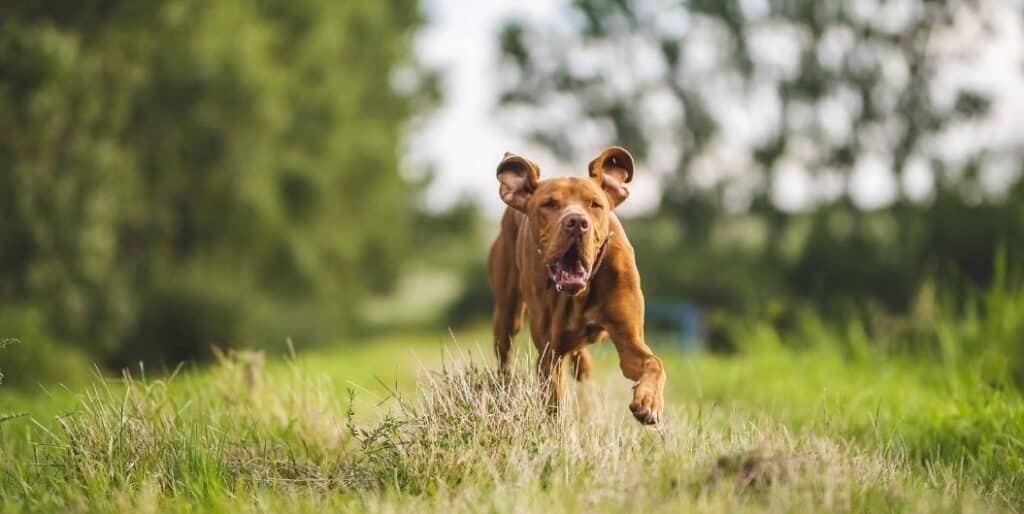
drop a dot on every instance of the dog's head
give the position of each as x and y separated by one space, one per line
569 216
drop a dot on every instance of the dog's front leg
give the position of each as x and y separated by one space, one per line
549 371
639 363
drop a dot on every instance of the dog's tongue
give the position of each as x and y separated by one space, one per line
569 273
572 273
571 277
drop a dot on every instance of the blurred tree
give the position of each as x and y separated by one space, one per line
176 173
733 103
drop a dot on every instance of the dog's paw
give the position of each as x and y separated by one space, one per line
646 405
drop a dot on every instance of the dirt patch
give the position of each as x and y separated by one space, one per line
754 468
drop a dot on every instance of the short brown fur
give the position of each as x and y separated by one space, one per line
544 219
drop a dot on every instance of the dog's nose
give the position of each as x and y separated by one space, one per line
575 222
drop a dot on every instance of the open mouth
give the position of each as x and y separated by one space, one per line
569 272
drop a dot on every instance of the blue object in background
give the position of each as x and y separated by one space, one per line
681 320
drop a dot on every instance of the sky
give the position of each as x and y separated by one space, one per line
464 139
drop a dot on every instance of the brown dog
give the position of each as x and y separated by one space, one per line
563 255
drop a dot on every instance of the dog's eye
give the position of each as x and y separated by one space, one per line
550 204
595 205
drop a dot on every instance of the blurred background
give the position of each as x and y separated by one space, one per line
180 174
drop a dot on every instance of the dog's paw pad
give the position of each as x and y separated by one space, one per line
645 415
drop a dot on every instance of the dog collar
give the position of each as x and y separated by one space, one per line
600 256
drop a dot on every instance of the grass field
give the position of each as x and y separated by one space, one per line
420 424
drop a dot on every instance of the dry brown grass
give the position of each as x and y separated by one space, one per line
241 439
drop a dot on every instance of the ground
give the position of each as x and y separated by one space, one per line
414 423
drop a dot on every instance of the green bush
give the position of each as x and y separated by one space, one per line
30 357
246 149
973 334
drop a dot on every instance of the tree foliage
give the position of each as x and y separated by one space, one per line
732 102
177 173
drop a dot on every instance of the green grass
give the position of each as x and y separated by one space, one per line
414 424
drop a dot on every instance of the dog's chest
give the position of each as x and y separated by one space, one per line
576 320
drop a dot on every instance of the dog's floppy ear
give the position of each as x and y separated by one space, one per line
612 170
518 177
